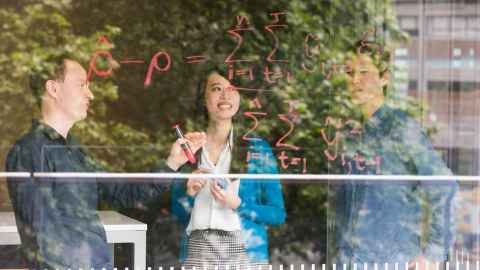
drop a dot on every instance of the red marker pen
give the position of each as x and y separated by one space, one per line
185 147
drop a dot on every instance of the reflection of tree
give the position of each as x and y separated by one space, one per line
127 114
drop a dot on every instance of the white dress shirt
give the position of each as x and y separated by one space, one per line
207 213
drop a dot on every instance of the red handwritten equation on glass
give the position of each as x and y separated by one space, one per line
238 66
358 161
289 118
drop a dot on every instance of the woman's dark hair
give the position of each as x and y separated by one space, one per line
200 107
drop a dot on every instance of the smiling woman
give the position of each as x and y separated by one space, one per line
224 219
222 99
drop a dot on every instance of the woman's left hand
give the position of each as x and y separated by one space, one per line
225 197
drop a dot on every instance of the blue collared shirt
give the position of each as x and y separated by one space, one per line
57 218
392 221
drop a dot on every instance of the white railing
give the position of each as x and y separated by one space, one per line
307 177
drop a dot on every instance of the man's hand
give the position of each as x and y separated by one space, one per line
177 158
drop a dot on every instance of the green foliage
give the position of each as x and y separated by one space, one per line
129 127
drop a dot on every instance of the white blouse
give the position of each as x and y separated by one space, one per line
207 213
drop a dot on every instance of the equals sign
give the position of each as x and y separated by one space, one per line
132 61
195 59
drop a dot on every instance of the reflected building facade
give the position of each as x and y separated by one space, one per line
439 66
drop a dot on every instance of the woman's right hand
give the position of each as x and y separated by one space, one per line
194 185
177 158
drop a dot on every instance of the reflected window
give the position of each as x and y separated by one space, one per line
409 24
438 25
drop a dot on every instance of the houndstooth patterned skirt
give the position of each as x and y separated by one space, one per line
217 249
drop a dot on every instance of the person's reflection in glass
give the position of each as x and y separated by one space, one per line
389 221
224 225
